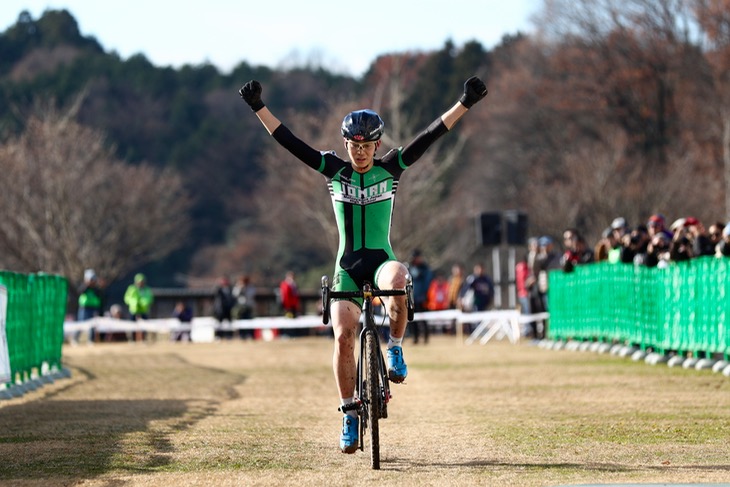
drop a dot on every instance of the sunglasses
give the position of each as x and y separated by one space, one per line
365 146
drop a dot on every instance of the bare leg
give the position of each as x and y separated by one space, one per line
393 276
345 316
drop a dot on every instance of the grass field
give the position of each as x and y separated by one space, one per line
265 413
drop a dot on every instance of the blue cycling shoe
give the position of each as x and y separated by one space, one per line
397 368
350 433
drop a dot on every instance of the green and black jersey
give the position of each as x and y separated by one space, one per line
363 203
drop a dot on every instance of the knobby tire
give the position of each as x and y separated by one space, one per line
372 391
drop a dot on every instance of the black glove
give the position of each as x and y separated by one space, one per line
251 94
474 90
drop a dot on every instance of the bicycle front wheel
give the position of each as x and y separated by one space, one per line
373 396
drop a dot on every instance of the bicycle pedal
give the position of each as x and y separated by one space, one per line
353 406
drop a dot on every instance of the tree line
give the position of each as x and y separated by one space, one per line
611 108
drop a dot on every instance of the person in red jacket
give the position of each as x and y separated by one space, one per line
289 293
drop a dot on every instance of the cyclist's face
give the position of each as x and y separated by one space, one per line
361 153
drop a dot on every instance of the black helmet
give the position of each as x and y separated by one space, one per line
362 126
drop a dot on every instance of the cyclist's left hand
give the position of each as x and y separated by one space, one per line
474 91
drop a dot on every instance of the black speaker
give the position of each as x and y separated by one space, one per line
489 229
516 227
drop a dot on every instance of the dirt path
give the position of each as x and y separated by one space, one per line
265 413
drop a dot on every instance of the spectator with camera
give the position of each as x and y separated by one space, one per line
657 252
576 250
634 246
680 248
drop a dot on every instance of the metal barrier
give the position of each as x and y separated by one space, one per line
684 308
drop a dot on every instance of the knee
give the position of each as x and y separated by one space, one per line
393 276
345 320
345 340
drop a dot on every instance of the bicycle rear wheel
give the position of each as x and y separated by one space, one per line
373 396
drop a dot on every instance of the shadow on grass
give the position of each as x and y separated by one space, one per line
396 464
79 438
53 437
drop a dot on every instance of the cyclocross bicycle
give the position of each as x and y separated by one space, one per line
373 388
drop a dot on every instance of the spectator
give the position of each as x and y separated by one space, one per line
714 233
656 225
723 246
528 296
604 245
456 282
522 272
183 312
657 252
676 226
585 253
547 260
634 245
533 250
116 311
223 300
223 306
289 295
619 228
576 250
477 293
139 299
438 293
680 248
421 274
90 301
244 295
699 238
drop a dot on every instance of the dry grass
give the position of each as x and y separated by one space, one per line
257 413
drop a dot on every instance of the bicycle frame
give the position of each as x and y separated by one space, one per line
373 386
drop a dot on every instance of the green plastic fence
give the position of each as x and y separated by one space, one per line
34 322
684 307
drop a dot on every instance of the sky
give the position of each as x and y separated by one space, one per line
341 37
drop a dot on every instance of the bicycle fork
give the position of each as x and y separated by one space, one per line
385 394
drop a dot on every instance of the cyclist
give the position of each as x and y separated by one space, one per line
363 192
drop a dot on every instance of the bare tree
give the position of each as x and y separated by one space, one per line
604 112
714 19
69 204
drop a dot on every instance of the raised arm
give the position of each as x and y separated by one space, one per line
251 94
474 91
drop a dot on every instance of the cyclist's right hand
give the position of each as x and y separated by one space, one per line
251 94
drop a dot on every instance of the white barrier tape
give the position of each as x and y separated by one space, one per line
105 324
